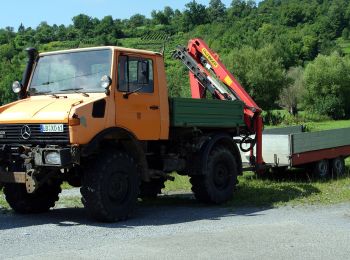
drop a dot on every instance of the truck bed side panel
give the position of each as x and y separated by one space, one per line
187 112
305 142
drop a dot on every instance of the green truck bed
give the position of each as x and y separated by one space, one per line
188 112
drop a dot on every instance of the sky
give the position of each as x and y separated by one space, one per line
32 13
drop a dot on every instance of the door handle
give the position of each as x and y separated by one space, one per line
154 107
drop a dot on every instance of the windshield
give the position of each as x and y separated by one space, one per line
69 72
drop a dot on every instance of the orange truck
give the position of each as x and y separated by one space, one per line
101 119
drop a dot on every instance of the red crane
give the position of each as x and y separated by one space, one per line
207 72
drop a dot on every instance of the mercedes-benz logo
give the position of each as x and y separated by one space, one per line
25 132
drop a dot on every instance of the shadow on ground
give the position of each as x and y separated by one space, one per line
168 209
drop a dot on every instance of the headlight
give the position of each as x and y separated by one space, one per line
53 158
16 87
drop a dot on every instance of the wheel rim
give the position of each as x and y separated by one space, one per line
338 166
221 176
118 187
323 168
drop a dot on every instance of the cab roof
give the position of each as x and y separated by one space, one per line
113 48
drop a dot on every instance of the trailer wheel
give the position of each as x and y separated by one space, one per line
41 201
338 167
321 169
217 184
150 190
111 187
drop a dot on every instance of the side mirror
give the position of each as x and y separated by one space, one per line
16 87
106 81
143 72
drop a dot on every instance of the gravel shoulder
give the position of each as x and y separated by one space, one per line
174 231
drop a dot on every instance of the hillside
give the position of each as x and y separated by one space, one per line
259 44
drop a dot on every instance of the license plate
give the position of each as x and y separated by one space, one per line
52 128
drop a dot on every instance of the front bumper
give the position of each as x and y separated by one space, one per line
63 156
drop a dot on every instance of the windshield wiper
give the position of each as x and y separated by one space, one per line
47 83
76 90
127 94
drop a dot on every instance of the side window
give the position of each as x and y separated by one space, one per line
135 74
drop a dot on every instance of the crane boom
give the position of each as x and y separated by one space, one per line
208 73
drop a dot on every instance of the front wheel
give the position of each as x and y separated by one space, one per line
38 202
111 187
217 184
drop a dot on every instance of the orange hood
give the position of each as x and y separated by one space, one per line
40 109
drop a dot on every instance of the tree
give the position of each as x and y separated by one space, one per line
163 17
83 24
260 72
292 95
216 11
194 14
44 33
241 8
137 20
327 83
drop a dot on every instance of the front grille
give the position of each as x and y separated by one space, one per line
11 134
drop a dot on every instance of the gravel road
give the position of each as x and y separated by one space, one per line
176 231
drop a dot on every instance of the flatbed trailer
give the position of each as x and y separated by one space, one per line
322 151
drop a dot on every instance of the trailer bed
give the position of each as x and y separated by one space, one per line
292 147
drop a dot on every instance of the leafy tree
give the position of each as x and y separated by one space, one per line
137 20
260 71
216 11
241 8
293 94
83 24
194 14
327 83
44 33
163 17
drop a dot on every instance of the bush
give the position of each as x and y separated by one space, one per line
327 83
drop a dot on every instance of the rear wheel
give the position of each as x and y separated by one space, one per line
321 169
338 167
217 184
40 201
111 187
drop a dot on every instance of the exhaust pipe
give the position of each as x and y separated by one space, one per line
32 55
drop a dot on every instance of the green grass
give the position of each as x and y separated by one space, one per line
294 190
256 192
327 125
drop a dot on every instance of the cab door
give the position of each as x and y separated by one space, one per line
137 96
